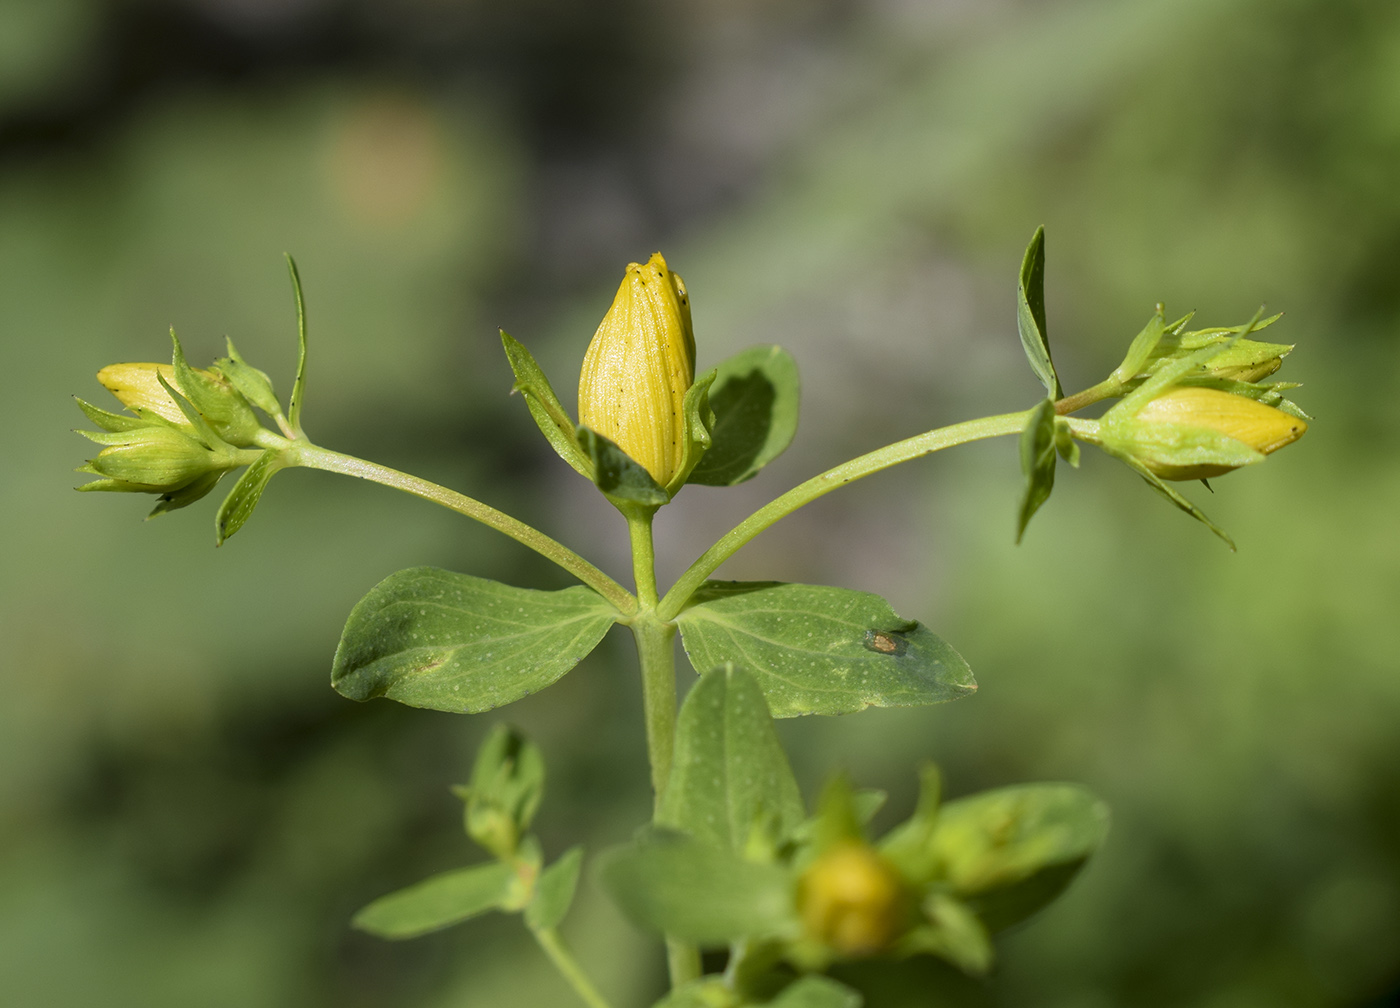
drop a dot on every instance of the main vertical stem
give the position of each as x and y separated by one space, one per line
657 657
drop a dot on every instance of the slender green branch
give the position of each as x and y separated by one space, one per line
1106 389
568 967
833 479
313 457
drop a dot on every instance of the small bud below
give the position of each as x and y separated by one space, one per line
638 367
153 459
853 901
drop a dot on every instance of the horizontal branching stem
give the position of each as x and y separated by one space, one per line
313 457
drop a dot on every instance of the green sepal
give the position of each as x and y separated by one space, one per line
1270 394
1172 445
1030 315
1140 350
446 641
1172 495
238 506
672 883
221 405
506 787
110 422
838 820
698 418
554 891
909 845
188 494
1038 454
816 649
755 400
621 479
953 932
729 777
205 434
112 485
1010 851
299 384
549 413
439 901
255 385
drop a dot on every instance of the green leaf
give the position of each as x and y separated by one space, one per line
1010 851
299 385
554 891
729 773
1037 462
673 883
550 416
255 385
439 902
755 401
816 992
617 475
505 790
433 638
820 650
238 506
1030 315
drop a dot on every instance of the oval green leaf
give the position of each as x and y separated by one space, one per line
1010 851
673 883
452 642
438 902
730 774
755 401
819 650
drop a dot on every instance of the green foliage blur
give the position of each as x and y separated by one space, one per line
189 815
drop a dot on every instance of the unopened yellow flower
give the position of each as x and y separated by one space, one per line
1173 416
138 388
636 372
853 901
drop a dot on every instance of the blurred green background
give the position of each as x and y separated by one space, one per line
188 814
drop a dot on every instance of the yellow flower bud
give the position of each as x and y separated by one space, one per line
137 387
636 372
853 901
1181 411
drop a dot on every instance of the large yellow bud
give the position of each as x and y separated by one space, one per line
1176 414
635 375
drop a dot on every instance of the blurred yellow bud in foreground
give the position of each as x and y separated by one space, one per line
853 901
1163 429
636 372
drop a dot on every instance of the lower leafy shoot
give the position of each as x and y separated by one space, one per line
793 896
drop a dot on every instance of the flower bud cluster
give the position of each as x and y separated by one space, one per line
1199 408
186 428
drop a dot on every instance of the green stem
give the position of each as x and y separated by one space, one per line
568 966
656 654
848 472
313 457
1106 389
